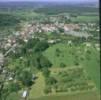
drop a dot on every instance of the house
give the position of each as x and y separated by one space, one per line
69 42
8 45
88 45
1 59
51 41
24 95
25 40
16 33
21 57
10 78
66 29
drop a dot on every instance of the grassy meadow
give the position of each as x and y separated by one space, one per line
87 57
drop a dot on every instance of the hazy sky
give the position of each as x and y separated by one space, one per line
55 0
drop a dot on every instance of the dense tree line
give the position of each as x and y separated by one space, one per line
64 9
8 20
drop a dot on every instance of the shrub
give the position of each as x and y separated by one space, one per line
62 65
47 90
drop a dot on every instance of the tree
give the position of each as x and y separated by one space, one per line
68 21
58 52
44 62
41 46
62 65
73 15
26 78
51 81
46 72
76 62
14 87
31 43
61 30
47 89
41 62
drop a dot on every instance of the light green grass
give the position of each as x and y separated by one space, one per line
80 96
38 87
14 96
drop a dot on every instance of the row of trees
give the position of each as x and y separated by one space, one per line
59 82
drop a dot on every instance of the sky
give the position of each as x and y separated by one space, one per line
54 0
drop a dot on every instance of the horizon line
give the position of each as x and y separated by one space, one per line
89 1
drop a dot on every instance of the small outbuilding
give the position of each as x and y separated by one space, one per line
24 95
1 59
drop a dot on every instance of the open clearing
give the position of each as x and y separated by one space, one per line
37 88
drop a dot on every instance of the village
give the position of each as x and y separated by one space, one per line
29 30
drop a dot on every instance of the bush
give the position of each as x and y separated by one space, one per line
58 52
46 72
14 87
26 78
41 62
41 46
76 63
51 81
47 90
62 65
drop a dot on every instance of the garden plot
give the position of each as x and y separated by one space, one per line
71 80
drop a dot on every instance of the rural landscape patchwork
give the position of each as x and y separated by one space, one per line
49 50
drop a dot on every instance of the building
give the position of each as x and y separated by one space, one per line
1 59
24 95
69 42
51 41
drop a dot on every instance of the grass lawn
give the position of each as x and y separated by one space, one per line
80 96
38 87
14 96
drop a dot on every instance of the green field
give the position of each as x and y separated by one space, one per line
76 56
80 96
63 56
92 66
36 92
86 19
14 96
